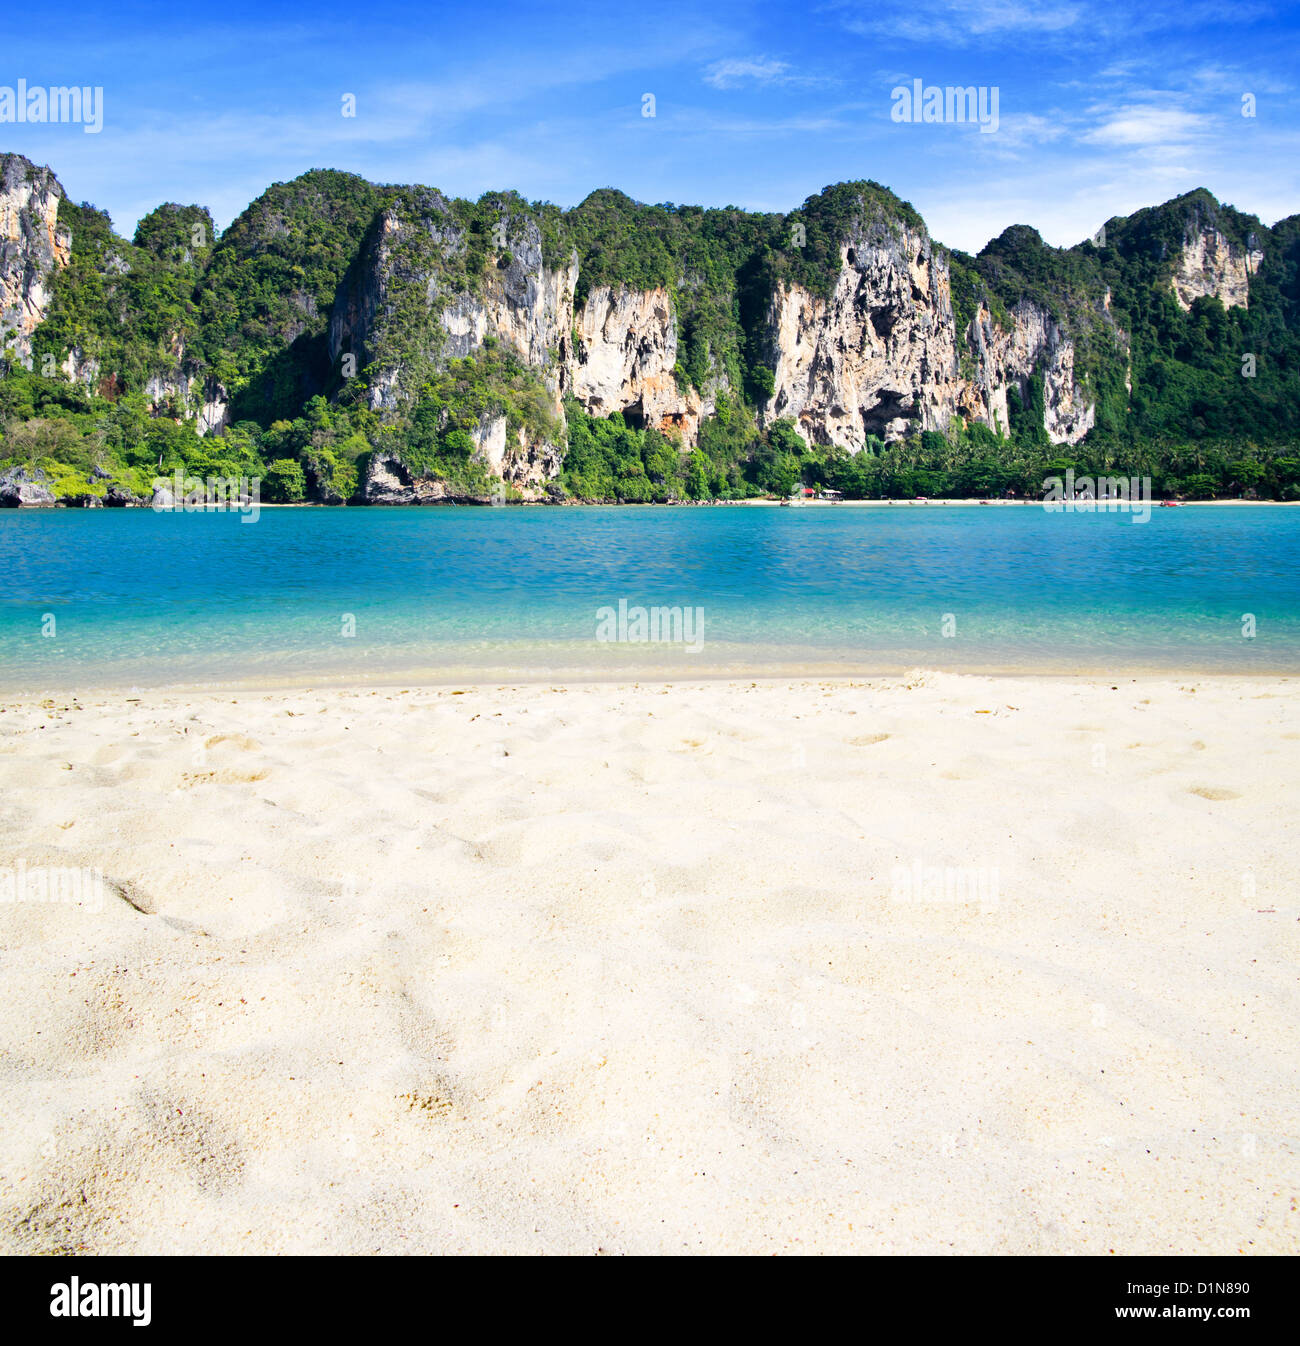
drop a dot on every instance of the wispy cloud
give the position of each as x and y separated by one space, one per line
734 72
960 23
1147 124
956 22
1105 105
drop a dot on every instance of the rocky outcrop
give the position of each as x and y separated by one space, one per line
32 247
624 352
18 486
407 283
404 304
879 357
525 461
213 405
614 353
860 332
1211 264
388 481
522 303
1004 359
187 391
370 293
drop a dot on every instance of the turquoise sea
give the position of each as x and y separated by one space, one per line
138 598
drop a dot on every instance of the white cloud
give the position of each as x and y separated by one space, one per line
733 72
960 23
1147 124
956 22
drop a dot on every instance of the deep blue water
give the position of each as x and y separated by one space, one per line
147 599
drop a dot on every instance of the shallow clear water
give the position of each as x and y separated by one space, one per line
148 599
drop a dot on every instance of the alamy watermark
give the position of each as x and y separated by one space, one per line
188 494
75 1298
71 886
626 625
920 102
40 105
945 885
1098 495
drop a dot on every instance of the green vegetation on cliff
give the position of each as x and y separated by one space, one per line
266 295
1204 399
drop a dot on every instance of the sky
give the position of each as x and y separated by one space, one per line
1102 107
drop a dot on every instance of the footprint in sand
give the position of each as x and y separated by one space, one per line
235 740
866 740
227 747
190 779
1212 792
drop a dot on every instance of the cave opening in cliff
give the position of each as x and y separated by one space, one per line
883 322
890 406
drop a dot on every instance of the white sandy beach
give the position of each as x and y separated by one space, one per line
626 969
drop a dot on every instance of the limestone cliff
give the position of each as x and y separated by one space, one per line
1009 358
1211 264
32 247
623 358
879 357
524 460
189 391
36 248
884 356
863 327
406 309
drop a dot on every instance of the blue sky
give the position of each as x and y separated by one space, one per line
1103 107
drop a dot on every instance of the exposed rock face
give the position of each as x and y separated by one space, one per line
880 356
523 460
623 357
214 407
401 276
18 487
186 389
614 354
1007 358
388 481
1211 264
401 285
523 303
370 293
32 247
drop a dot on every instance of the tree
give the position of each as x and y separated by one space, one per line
762 383
697 477
284 482
784 438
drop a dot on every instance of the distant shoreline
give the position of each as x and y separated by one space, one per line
619 504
